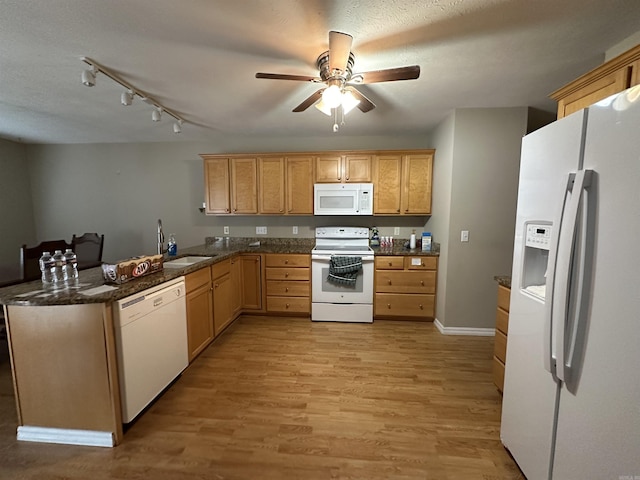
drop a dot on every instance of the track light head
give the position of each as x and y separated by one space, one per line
177 126
126 98
89 77
156 115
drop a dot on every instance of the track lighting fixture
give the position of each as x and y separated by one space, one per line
89 77
126 98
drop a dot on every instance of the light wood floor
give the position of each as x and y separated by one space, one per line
282 398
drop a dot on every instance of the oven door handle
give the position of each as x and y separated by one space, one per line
327 258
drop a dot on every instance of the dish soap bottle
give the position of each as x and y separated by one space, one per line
172 246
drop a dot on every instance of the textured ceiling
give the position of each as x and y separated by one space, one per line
199 57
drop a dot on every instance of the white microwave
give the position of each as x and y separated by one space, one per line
343 199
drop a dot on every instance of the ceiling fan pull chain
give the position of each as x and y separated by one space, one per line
335 120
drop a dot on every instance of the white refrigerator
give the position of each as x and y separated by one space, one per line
571 405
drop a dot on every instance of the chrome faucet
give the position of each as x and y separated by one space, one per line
161 249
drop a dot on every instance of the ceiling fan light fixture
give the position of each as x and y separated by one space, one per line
177 126
323 107
156 115
332 96
349 102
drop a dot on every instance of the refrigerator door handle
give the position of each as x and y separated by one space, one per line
562 294
550 333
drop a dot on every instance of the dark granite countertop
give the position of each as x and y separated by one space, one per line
35 293
504 280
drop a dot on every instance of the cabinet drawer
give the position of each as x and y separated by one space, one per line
504 297
406 282
289 305
498 373
288 289
221 268
197 279
399 305
500 346
286 260
389 263
502 321
287 273
420 263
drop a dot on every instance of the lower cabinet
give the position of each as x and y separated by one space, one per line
250 281
502 328
199 311
405 287
223 294
288 283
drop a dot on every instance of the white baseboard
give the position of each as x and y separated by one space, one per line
62 435
476 332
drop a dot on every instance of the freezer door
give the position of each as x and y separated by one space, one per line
598 431
549 155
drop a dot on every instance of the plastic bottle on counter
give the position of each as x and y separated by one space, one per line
71 265
58 268
46 267
172 246
412 240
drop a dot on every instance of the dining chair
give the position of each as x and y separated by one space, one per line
30 257
88 248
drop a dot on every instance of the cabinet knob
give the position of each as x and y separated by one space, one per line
226 210
398 210
215 285
388 305
287 305
286 275
389 282
286 289
390 264
347 177
421 307
286 262
422 282
281 210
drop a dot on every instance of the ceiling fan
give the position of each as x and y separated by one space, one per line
336 72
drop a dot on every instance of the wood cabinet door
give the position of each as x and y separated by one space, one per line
299 185
244 186
598 90
417 171
199 319
357 168
251 266
222 306
386 184
329 169
236 280
217 185
271 185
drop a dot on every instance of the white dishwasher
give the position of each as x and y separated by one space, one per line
151 338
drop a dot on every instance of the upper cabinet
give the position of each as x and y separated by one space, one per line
285 185
282 183
348 168
231 185
402 183
609 78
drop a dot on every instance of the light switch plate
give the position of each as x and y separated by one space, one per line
295 230
464 236
226 230
261 230
396 230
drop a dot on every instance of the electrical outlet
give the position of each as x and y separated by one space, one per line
464 236
295 230
261 230
226 230
396 230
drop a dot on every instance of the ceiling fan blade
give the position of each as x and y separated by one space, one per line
339 49
365 104
389 75
279 76
309 101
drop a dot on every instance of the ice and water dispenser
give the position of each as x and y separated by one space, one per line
536 258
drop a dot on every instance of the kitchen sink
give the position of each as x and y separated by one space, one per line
184 262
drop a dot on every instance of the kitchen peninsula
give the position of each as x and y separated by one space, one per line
64 350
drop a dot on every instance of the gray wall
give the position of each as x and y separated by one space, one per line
484 183
122 189
16 209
